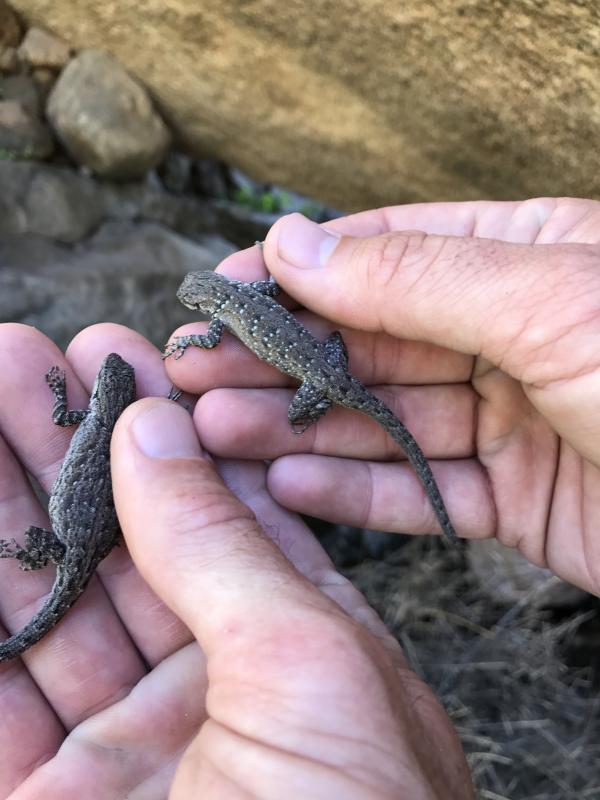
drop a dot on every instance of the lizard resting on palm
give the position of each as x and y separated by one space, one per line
275 336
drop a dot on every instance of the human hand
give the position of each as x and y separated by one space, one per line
487 348
297 690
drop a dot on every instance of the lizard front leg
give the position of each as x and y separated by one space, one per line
42 546
57 382
207 340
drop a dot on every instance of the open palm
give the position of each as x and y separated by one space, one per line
79 677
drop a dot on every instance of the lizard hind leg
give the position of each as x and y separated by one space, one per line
307 406
41 547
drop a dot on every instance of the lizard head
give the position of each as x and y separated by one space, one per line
114 388
203 291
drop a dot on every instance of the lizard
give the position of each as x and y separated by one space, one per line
272 333
84 525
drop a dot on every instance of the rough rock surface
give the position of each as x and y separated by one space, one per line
8 59
74 251
105 119
22 135
40 49
124 273
10 30
24 89
378 103
61 204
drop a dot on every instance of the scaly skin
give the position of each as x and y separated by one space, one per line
275 336
81 509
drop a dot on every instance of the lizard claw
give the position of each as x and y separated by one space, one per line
173 349
299 426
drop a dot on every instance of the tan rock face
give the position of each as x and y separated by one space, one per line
10 30
367 103
8 59
40 49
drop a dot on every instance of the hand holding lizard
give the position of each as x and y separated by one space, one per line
481 332
309 694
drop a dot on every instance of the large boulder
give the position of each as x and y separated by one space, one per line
375 103
105 119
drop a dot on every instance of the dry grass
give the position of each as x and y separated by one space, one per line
529 722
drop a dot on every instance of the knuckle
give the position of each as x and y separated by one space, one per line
204 527
404 257
211 506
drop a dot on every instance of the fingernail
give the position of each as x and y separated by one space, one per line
304 243
166 431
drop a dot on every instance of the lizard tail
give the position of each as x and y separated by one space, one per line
45 619
378 411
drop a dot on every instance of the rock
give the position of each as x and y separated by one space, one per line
10 30
75 251
240 223
507 577
105 118
41 49
126 273
378 103
22 135
48 201
58 203
210 178
23 89
176 172
45 78
8 59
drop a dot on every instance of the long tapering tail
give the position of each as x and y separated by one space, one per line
378 411
53 610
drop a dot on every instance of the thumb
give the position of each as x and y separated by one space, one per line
485 297
200 549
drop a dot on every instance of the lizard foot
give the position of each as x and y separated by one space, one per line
176 348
